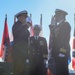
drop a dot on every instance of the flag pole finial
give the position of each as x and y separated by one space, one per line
30 15
74 20
5 15
41 19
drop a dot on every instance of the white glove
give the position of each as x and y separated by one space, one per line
53 20
61 55
27 60
46 63
45 60
28 19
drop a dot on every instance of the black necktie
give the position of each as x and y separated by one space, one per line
36 37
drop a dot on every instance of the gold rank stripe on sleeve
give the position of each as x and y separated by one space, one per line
63 50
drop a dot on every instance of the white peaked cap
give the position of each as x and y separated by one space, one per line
60 11
21 12
28 19
36 26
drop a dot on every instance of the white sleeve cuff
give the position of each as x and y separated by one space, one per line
61 55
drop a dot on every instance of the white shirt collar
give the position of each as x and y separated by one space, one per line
36 36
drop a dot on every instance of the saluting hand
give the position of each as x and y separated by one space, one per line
53 20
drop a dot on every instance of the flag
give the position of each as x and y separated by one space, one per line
5 46
49 72
74 34
73 52
0 51
41 32
31 28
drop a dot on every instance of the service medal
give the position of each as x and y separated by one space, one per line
41 43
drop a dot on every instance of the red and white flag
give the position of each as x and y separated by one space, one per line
5 46
31 28
73 52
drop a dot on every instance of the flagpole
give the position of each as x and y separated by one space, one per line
74 34
41 32
74 22
5 15
31 27
41 20
30 15
73 51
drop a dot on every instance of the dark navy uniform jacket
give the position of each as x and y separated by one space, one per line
20 32
61 40
38 48
20 47
20 36
37 54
